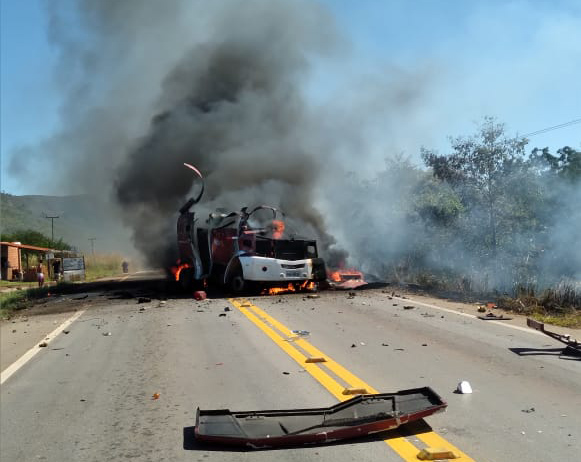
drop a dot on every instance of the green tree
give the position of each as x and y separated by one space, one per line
32 237
482 169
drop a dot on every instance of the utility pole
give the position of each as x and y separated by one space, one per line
93 239
52 218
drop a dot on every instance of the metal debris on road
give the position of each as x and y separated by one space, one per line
106 334
572 345
528 411
494 317
42 345
293 427
301 333
408 307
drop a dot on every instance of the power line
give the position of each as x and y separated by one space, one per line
549 129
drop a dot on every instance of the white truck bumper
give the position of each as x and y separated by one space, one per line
262 269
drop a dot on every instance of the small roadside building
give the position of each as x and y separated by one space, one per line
20 263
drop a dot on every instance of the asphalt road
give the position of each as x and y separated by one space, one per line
89 396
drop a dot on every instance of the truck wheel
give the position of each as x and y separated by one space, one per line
186 279
237 283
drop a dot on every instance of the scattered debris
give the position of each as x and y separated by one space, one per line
408 307
199 295
155 396
481 309
385 344
528 411
142 309
572 345
82 400
313 296
399 349
82 297
301 333
286 373
144 300
42 345
395 304
362 343
221 315
13 331
428 315
353 346
464 387
66 332
227 308
424 344
316 360
106 334
494 317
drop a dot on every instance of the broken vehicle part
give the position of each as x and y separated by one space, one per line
358 416
346 279
573 345
494 317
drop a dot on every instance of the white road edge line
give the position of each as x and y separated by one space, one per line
427 305
7 373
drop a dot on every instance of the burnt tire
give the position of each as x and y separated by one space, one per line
186 280
237 283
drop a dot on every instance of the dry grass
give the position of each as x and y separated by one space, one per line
102 265
559 305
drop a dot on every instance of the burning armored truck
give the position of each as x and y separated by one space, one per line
244 250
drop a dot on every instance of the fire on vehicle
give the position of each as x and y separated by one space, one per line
244 250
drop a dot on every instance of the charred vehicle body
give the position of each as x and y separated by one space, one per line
244 249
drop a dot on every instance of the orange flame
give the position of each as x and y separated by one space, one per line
277 229
281 290
335 276
307 285
176 270
342 275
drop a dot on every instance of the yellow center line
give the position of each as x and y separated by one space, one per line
405 449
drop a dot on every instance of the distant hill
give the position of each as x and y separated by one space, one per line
80 218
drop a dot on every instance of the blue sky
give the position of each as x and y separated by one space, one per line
517 60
